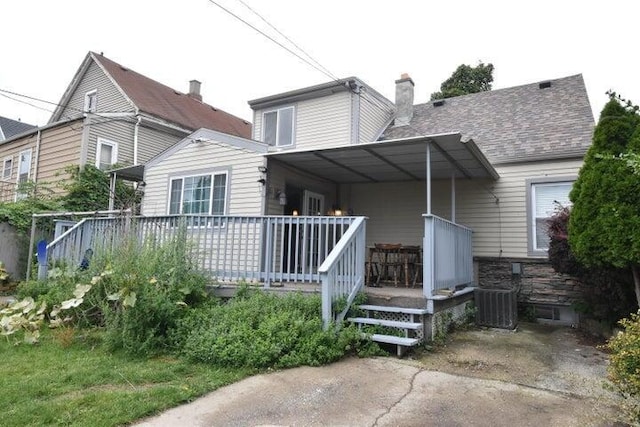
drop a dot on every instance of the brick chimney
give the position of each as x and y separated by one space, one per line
404 100
194 90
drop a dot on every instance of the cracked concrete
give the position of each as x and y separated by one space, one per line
488 389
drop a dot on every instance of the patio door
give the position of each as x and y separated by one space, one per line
312 205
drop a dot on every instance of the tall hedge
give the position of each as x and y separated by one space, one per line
604 227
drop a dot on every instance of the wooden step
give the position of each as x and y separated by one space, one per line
389 323
391 339
386 309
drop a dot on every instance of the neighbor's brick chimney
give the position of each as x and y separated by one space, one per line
194 90
404 100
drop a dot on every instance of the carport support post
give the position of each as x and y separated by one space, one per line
112 190
428 177
453 196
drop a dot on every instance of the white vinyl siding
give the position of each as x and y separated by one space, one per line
544 199
281 176
7 168
111 99
375 115
106 154
320 122
244 193
495 210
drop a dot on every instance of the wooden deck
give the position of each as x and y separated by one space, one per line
383 295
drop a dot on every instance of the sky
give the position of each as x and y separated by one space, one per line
174 41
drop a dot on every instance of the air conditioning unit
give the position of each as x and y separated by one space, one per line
496 308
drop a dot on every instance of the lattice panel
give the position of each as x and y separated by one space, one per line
400 317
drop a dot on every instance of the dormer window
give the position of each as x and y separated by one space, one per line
278 127
91 101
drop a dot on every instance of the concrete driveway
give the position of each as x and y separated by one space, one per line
562 390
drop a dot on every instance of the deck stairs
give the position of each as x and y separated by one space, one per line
409 321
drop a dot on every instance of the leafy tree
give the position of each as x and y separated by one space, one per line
465 80
604 228
88 190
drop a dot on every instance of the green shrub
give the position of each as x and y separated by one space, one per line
624 367
260 330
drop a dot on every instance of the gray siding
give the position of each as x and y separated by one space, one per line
244 193
152 142
319 123
109 98
375 115
119 131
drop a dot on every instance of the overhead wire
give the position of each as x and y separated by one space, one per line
327 72
306 61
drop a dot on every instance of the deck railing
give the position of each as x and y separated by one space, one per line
342 273
264 249
448 255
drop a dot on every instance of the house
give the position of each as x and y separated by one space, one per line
8 129
468 180
108 115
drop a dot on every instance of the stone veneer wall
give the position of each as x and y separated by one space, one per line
537 284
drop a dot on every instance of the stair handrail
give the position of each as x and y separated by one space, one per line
349 256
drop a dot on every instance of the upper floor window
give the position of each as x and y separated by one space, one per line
544 198
24 171
106 154
278 127
7 168
91 101
198 194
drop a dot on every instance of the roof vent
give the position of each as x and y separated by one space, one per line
124 68
544 85
438 103
213 108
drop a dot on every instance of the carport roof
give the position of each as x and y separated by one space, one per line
393 160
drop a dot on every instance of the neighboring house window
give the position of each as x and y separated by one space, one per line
544 198
24 171
7 168
106 154
91 101
278 127
199 195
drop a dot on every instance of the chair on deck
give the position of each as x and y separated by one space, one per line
389 260
417 265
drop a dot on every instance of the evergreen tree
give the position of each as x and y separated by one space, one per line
604 227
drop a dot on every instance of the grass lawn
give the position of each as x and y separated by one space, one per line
67 380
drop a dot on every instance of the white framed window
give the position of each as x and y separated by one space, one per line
278 127
543 198
204 194
7 168
24 171
91 101
106 154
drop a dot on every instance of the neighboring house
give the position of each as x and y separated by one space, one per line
10 163
496 162
110 114
10 128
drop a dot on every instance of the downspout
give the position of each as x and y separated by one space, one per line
37 156
135 139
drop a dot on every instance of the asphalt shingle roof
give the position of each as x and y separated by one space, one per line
11 128
162 101
520 123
